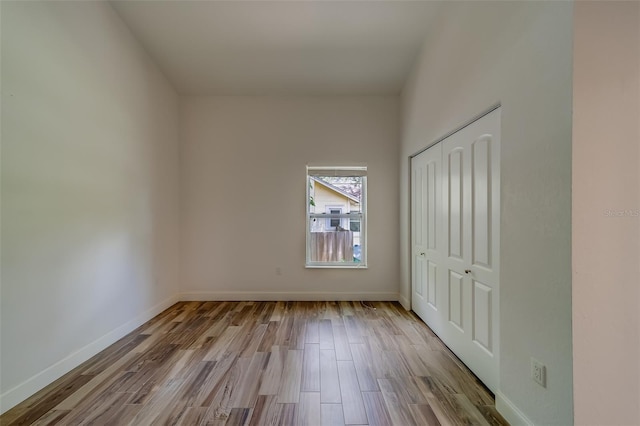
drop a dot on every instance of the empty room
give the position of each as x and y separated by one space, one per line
320 212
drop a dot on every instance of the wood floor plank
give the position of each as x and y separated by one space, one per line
269 337
263 410
474 415
125 414
331 415
312 334
354 332
171 413
329 381
490 413
216 380
243 338
394 365
222 343
326 334
380 336
104 412
308 410
192 416
96 384
362 361
346 308
376 409
238 417
341 342
255 339
287 414
226 392
273 373
278 311
194 383
283 333
352 404
442 402
407 390
154 405
264 316
289 391
398 410
411 358
311 368
332 311
252 379
52 417
437 406
298 333
269 363
424 415
112 355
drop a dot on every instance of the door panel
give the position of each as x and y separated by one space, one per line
426 184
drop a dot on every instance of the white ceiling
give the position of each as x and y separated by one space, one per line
281 47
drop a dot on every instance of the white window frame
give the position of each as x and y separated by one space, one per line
316 171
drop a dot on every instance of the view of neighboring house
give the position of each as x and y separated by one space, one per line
330 199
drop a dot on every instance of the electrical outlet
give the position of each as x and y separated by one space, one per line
538 372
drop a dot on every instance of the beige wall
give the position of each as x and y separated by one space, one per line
251 152
89 189
517 54
606 205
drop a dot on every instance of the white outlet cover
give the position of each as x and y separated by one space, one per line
538 372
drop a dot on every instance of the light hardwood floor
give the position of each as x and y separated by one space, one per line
269 363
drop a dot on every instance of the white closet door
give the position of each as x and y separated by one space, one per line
465 255
427 298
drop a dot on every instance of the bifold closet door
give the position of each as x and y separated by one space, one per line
427 241
465 261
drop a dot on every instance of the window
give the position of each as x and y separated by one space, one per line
336 217
334 222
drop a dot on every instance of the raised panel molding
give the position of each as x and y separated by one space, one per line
420 275
432 284
456 204
481 201
431 206
482 312
417 182
455 299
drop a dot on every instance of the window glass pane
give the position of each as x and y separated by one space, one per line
333 246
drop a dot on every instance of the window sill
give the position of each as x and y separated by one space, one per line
334 266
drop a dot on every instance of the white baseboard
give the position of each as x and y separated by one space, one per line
24 390
404 301
285 296
510 412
